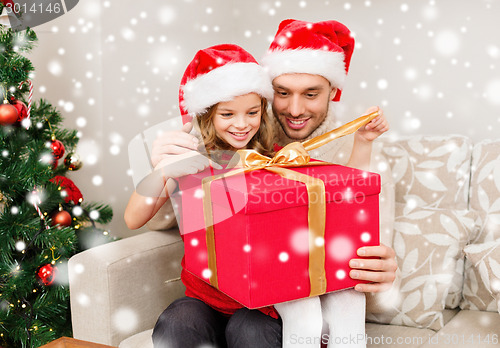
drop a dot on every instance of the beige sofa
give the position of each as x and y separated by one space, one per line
446 237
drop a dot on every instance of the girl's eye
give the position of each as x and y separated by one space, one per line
253 113
226 115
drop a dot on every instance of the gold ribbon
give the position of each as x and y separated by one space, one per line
292 155
341 131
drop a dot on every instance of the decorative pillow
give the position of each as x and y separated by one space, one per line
431 171
483 289
428 245
485 188
484 198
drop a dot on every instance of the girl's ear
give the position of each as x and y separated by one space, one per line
333 92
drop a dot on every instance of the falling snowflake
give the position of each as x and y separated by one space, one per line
97 180
77 210
55 68
299 241
125 320
206 273
340 248
382 84
493 91
447 43
366 237
283 256
20 245
128 34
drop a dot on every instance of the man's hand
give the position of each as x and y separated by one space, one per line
173 143
375 127
381 271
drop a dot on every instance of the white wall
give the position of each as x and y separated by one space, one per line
113 67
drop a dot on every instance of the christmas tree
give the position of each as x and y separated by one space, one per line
43 217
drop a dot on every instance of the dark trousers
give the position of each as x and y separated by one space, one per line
190 323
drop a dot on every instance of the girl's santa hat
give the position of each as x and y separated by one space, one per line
217 74
322 48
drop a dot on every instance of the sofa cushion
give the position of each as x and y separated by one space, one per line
483 288
468 329
484 198
428 245
389 336
140 340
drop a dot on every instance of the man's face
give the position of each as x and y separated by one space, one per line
301 103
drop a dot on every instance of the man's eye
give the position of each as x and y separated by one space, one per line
282 94
312 95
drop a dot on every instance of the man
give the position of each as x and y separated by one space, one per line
307 63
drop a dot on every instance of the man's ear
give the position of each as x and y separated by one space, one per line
333 92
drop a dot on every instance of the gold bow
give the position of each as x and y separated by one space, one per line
292 155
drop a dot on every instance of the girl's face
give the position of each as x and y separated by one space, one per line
238 120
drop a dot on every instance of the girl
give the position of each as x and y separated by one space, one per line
224 92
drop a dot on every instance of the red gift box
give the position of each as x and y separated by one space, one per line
261 231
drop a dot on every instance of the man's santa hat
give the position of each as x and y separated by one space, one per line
323 48
217 74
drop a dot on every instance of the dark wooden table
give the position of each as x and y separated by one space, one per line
67 342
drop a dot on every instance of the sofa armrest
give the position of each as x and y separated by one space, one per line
120 288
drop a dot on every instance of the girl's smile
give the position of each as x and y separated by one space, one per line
238 120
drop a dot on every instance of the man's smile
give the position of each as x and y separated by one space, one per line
297 123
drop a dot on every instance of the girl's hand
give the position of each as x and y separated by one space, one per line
374 128
173 143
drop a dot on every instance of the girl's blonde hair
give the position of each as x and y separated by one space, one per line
262 141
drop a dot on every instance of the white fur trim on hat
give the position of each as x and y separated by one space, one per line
224 83
328 64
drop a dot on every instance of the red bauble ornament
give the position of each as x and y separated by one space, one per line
46 274
57 149
8 114
61 218
22 109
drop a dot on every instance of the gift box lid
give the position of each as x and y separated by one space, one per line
263 191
